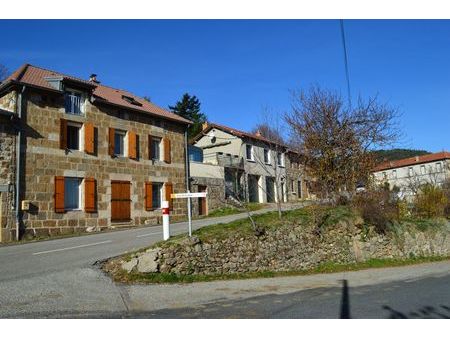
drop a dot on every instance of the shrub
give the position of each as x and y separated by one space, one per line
378 207
430 201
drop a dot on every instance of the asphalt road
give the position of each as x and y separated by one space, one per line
58 279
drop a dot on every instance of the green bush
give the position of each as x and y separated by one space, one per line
430 201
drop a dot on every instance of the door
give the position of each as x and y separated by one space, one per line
120 201
253 188
202 208
270 190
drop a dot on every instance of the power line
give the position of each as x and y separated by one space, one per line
346 63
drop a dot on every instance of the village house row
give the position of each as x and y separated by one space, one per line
76 155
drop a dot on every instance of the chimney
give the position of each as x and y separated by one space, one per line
204 125
93 78
258 133
417 158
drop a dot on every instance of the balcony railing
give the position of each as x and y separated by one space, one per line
73 104
226 160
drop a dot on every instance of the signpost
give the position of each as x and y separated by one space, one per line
189 195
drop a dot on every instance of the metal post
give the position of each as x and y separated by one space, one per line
166 225
189 215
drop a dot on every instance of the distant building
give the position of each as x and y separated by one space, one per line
410 173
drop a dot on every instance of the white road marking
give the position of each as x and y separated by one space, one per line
150 234
71 247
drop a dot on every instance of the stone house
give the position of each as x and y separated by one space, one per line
91 156
410 173
254 167
298 183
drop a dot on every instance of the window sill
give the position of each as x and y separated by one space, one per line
250 160
72 210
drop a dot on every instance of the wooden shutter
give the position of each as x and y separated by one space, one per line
111 142
89 138
169 191
89 194
132 145
63 134
148 196
166 143
59 194
150 152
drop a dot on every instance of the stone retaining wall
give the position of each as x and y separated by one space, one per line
293 247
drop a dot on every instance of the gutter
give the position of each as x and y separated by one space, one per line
18 162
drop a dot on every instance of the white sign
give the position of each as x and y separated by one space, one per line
189 195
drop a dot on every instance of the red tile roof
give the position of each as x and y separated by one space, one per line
35 76
238 133
443 155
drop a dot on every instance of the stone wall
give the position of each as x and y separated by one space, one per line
43 160
215 193
7 177
295 247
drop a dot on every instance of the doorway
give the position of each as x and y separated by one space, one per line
120 201
202 204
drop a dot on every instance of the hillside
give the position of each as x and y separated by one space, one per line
397 154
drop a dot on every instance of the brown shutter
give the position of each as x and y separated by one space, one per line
59 194
169 191
132 144
63 134
166 143
111 142
150 153
148 196
89 138
89 194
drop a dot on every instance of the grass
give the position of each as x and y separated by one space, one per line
328 267
229 210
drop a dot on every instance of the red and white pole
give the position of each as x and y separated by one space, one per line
165 213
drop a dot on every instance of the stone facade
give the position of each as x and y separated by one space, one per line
215 188
44 160
7 167
297 247
297 180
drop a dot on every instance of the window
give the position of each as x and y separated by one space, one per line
422 169
267 156
384 175
410 171
280 159
249 152
72 193
299 189
438 167
394 173
156 148
73 136
156 195
119 143
292 186
73 103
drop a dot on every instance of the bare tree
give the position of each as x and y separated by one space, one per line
270 129
3 72
337 140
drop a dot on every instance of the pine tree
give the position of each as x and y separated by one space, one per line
189 108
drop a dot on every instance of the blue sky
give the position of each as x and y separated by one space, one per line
236 68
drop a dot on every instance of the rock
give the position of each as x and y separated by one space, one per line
129 266
148 262
90 229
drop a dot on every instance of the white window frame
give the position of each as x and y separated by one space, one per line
70 91
438 167
252 152
80 134
80 193
281 162
410 171
160 147
394 174
268 156
422 169
124 135
161 194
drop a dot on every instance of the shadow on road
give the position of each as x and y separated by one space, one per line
425 312
345 301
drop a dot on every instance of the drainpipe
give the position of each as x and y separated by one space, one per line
18 160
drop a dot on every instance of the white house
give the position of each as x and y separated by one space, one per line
410 173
